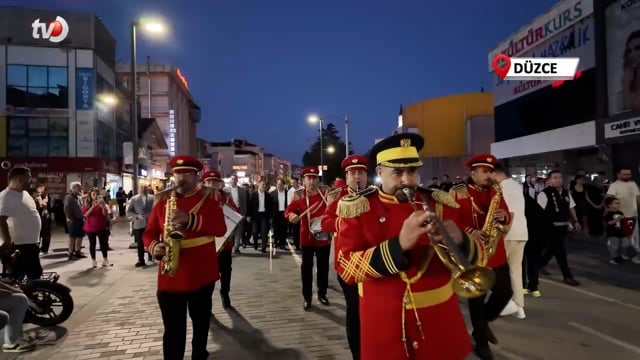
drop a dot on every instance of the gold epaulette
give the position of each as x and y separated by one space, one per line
459 192
355 204
444 198
164 194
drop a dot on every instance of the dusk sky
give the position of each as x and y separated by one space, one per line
257 68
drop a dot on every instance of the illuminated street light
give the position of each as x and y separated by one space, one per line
154 27
108 99
313 118
331 149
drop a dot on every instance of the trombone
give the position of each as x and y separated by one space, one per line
468 281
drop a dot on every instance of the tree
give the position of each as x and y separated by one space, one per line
333 161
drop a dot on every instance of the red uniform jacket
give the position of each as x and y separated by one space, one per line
330 222
226 199
198 266
298 205
370 254
474 203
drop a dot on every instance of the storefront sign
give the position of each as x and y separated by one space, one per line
182 78
84 89
622 22
576 42
55 31
240 167
172 132
622 128
544 27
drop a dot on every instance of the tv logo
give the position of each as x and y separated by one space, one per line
508 68
55 31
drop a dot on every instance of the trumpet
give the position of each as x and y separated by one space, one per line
468 281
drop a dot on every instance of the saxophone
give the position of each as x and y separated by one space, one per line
172 238
492 228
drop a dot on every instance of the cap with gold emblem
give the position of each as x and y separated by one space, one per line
355 162
183 164
211 175
310 171
486 160
398 151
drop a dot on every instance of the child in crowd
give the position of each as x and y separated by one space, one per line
617 241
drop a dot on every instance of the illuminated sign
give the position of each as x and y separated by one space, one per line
172 132
239 167
182 78
55 30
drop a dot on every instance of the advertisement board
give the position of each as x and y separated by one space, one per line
84 89
85 133
576 41
622 26
563 15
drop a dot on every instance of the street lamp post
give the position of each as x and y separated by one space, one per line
346 135
321 152
154 27
134 109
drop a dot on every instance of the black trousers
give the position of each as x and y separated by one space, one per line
27 263
306 269
260 228
224 265
531 262
174 307
103 238
45 234
482 312
352 299
280 229
296 235
556 247
137 236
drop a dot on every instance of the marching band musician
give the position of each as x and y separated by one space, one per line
408 309
475 198
307 208
213 179
355 168
199 217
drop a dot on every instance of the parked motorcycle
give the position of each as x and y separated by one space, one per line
50 302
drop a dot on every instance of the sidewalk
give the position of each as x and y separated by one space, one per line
117 316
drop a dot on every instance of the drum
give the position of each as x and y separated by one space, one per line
315 227
231 218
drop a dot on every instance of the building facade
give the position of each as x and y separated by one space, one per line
236 157
163 94
618 125
544 125
453 126
56 74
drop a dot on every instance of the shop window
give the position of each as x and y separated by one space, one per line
37 86
38 136
106 142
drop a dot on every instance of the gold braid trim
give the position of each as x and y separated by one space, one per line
401 165
408 299
353 207
357 266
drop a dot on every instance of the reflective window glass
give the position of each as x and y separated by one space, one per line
16 75
58 77
37 76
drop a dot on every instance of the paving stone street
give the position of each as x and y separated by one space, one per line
116 314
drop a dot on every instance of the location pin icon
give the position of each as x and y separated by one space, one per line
501 65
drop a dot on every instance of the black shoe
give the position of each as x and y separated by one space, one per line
141 264
571 282
307 305
483 352
226 302
323 300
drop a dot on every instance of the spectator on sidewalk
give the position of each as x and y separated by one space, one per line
617 241
138 211
75 220
20 224
96 226
46 213
13 307
628 193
